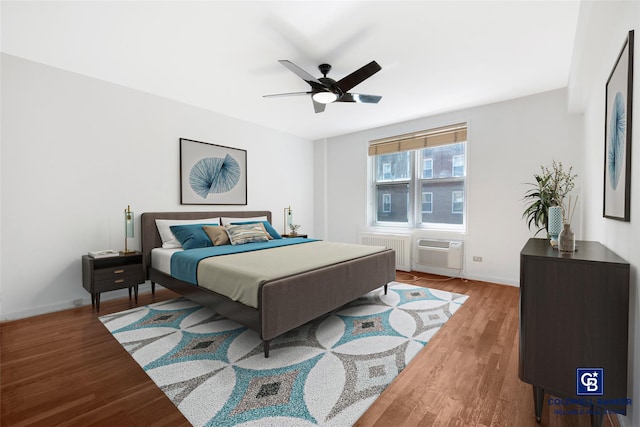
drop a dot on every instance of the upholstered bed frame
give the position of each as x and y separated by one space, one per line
285 303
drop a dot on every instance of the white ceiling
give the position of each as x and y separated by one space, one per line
436 56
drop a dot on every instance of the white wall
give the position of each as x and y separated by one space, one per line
76 151
602 29
507 144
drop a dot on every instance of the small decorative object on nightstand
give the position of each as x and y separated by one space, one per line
112 273
294 229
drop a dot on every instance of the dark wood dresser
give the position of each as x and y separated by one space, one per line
574 313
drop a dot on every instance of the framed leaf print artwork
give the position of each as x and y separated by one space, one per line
617 136
212 174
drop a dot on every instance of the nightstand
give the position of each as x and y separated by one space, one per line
289 236
112 273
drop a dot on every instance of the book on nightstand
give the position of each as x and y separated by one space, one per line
106 253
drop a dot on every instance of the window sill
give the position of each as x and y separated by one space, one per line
431 231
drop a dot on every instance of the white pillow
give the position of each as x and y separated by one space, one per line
169 241
226 220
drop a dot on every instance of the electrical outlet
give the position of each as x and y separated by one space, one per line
77 302
477 258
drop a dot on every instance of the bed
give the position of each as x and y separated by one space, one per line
283 303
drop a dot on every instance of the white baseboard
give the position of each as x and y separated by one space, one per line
86 300
448 272
493 279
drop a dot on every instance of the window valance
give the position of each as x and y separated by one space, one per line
418 140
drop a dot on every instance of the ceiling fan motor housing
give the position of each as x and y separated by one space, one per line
330 86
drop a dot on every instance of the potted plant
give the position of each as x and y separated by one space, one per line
550 189
294 229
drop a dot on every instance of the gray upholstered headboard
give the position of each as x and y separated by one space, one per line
150 237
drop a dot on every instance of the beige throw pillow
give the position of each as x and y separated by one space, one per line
218 235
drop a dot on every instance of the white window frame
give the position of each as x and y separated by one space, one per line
414 218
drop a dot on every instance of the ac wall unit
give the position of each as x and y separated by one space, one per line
439 253
400 243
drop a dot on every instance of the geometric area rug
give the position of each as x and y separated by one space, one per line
326 372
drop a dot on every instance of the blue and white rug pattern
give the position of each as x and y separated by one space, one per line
327 372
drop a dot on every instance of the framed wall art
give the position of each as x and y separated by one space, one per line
617 136
212 174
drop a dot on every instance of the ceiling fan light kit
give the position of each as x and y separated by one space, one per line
324 97
325 90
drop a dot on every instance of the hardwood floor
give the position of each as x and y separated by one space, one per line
64 368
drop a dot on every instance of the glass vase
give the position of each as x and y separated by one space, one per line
567 240
554 218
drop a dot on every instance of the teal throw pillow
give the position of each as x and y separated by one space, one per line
191 236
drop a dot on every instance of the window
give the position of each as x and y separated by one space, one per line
457 165
457 202
427 168
393 167
427 202
418 180
386 171
386 203
392 189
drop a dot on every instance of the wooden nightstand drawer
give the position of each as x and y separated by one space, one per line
117 282
114 273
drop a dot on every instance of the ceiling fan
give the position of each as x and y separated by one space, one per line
325 90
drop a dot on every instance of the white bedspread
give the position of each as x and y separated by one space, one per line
161 259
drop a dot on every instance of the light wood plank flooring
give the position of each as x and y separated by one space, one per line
64 368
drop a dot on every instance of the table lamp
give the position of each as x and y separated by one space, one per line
288 219
128 228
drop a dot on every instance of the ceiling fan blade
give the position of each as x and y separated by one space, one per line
276 95
301 73
347 83
359 97
318 106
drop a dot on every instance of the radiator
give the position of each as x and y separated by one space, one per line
400 243
439 253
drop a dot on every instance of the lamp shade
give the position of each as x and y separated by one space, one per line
128 222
